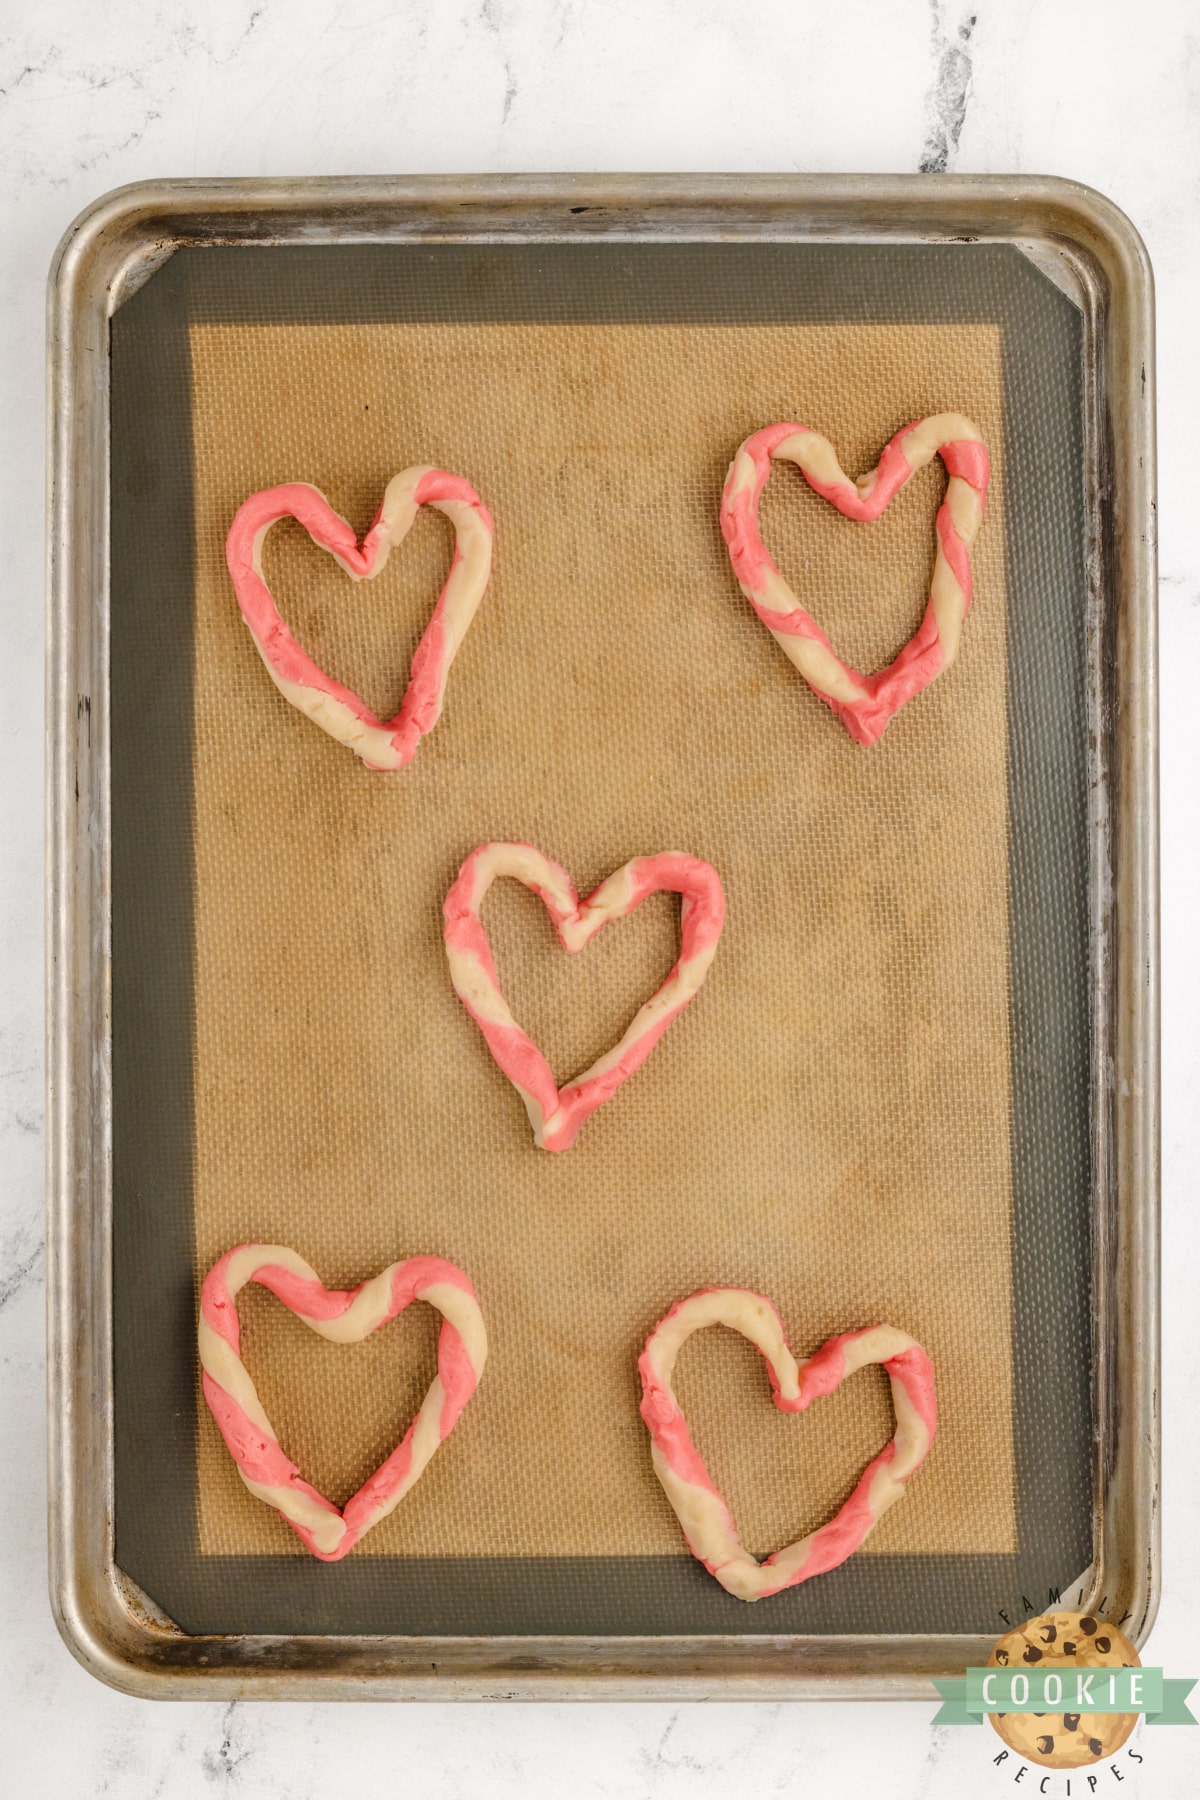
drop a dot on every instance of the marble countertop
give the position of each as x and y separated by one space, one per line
90 98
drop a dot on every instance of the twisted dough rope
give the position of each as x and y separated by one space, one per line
343 1318
706 1520
864 703
557 1116
338 710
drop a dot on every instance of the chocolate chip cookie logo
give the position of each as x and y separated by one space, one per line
1064 1690
1071 1642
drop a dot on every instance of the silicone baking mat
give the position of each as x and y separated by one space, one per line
875 1110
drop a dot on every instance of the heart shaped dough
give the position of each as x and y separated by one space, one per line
706 1520
343 1318
557 1116
864 703
381 744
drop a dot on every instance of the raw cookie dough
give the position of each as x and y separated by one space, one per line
557 1116
864 703
382 744
706 1520
343 1318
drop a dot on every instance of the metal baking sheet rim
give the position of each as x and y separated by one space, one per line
1090 250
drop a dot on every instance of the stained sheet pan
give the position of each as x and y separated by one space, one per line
1034 297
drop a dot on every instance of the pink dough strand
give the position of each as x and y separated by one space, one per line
832 1544
423 1272
308 1298
822 1373
914 1371
457 1373
969 460
668 1427
956 554
217 1306
377 1490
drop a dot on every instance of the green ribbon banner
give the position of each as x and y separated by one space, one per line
965 1699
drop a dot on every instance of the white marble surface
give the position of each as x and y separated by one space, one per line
91 97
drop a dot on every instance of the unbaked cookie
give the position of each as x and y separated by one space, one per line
864 703
343 1318
382 744
706 1520
556 1115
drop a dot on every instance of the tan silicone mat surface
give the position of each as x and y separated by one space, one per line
829 1122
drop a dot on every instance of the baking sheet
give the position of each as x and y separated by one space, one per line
876 1108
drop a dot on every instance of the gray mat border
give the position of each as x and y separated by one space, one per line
154 1357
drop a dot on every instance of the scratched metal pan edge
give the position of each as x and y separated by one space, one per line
1088 248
